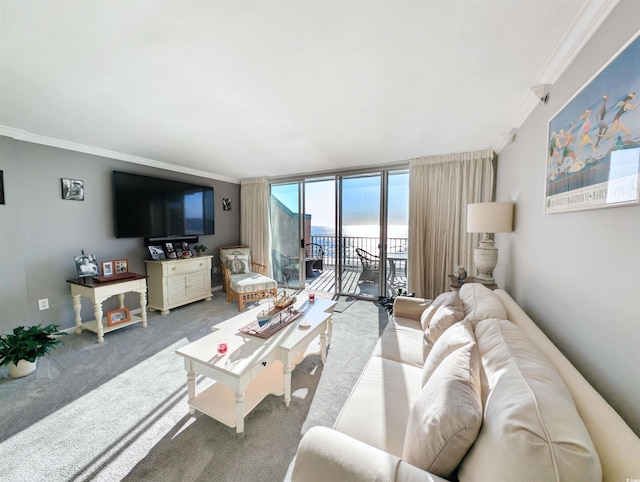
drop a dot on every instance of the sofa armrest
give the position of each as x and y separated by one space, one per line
412 308
326 454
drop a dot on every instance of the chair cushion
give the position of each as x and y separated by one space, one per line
531 429
239 263
446 417
227 254
250 282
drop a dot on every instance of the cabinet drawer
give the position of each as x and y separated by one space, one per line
186 265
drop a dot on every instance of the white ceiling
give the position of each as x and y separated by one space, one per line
238 89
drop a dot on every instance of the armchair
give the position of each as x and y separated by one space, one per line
244 280
314 253
370 265
285 266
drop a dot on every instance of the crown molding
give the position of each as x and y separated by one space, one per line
583 27
22 135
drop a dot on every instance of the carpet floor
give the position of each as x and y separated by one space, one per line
118 410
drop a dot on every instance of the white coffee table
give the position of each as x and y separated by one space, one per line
252 367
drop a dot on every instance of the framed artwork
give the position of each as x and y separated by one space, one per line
157 252
1 187
186 252
170 252
226 204
593 155
115 317
107 268
72 189
121 265
86 265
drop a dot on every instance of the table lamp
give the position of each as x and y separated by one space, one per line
488 218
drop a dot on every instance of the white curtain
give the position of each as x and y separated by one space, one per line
440 188
255 225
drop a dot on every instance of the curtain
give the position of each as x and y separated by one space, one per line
440 188
255 225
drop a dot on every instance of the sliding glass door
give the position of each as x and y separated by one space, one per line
286 233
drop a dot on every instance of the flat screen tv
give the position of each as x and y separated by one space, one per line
147 206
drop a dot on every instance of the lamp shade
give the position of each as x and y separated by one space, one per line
490 217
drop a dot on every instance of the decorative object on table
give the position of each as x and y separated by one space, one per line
593 155
278 321
186 252
170 251
121 266
488 218
387 302
86 265
284 300
199 249
156 252
116 317
72 189
1 187
226 204
460 273
21 349
107 268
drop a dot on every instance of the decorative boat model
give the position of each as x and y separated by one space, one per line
279 303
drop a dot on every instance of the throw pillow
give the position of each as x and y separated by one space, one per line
239 264
427 314
446 417
446 314
459 335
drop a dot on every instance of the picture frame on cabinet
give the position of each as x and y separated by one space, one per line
116 317
86 265
157 253
121 266
107 268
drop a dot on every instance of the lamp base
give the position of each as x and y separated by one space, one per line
485 258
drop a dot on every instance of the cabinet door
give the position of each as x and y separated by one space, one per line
177 290
200 284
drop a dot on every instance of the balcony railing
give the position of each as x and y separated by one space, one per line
349 245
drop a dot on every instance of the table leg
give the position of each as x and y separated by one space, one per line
97 311
76 307
287 384
323 347
121 300
239 412
143 307
191 388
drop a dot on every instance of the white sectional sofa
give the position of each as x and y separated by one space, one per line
467 387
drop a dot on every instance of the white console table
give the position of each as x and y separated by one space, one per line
98 293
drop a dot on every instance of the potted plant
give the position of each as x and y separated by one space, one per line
200 248
21 349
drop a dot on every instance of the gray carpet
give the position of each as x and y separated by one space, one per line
118 410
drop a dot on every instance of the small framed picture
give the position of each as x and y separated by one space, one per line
86 265
121 265
72 189
157 252
115 317
107 268
186 252
226 204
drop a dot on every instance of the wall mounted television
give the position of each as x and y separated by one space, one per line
147 206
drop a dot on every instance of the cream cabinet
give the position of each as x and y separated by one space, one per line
176 282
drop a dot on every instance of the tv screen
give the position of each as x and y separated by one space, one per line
154 207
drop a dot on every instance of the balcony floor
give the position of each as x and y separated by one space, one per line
325 281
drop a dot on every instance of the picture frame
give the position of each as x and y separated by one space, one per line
117 317
226 204
107 268
157 253
120 266
593 141
186 252
86 265
72 189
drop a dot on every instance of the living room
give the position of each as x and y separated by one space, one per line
574 273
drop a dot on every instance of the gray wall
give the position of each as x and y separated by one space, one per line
577 274
40 233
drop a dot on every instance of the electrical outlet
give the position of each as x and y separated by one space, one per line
43 304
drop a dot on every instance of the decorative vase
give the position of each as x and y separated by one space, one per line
461 273
22 369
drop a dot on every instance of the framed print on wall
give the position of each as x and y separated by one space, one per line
72 189
593 156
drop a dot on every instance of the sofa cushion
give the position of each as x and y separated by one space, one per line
447 415
531 428
401 341
427 314
480 303
446 314
377 409
459 335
